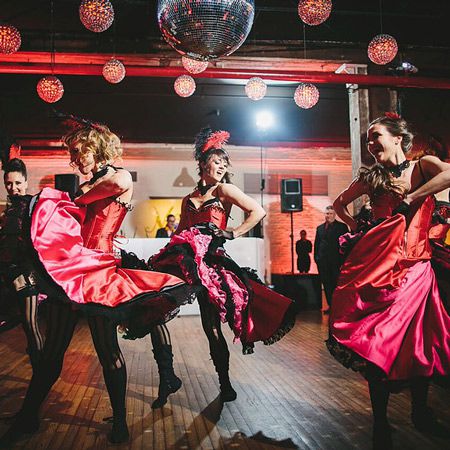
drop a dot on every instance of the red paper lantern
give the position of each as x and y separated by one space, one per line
382 49
314 12
184 86
255 88
10 39
96 15
306 95
50 89
114 71
194 66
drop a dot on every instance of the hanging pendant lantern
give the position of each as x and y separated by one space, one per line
306 95
114 71
314 12
382 49
255 88
10 39
193 66
96 15
184 86
50 89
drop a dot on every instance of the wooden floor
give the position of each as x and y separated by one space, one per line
290 395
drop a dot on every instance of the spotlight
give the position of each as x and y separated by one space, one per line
264 120
407 67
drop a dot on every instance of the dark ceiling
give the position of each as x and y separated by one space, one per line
146 109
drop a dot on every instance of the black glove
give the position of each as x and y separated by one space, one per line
403 209
224 234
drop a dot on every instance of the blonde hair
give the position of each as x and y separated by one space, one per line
98 140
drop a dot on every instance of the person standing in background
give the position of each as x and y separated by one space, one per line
303 248
326 252
169 229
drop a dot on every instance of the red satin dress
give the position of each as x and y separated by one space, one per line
386 308
253 311
75 246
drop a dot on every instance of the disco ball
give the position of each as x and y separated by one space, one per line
96 15
50 89
314 12
205 29
255 88
382 49
10 39
184 86
194 66
113 71
306 95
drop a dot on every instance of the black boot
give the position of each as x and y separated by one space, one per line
382 436
169 383
227 393
116 384
221 363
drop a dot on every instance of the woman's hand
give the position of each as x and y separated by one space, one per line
224 234
232 195
403 208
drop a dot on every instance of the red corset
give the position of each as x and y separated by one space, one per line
102 222
210 211
416 239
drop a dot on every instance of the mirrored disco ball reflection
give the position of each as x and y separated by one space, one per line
205 29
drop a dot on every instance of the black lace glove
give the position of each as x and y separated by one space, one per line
403 209
224 234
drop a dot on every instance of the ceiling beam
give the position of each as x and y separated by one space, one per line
222 73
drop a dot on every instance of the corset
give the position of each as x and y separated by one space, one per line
211 211
102 222
419 223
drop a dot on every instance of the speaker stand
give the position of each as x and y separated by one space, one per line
292 242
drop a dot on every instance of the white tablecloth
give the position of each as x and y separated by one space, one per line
247 252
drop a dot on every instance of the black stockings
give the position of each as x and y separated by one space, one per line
29 317
60 328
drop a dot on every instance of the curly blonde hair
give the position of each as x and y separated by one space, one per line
99 140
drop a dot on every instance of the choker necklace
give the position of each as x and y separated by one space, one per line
397 170
204 189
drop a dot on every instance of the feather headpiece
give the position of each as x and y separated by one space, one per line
392 115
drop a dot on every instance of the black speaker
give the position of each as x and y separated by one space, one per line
291 195
67 182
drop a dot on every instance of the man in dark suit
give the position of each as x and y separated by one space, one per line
326 252
169 229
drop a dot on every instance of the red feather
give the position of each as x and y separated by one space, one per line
14 151
216 140
392 115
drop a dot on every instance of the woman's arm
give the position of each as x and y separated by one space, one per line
355 190
437 173
108 186
228 193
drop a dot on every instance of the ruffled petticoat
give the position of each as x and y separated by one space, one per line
253 311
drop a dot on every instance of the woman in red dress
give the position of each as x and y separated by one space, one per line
196 254
387 320
74 244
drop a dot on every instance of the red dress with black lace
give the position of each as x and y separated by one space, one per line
75 247
253 311
387 312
